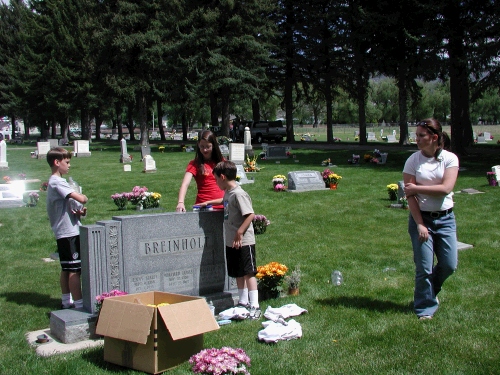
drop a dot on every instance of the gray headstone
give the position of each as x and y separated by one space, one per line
276 152
224 150
169 252
401 191
391 138
299 181
145 150
53 142
240 171
370 136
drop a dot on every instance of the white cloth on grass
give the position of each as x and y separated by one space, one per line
276 331
284 312
236 313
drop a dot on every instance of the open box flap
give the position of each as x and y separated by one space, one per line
188 319
125 320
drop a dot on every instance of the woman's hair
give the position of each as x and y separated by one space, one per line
432 125
216 157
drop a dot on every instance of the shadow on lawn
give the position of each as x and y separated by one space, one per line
34 299
367 304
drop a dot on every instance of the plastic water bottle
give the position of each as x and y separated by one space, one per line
212 307
337 278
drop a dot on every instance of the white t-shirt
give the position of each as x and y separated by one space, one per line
429 171
63 221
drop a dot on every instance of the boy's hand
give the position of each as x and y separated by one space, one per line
237 241
81 212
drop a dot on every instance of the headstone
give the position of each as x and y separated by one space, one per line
149 164
394 132
53 142
391 138
413 136
177 137
276 152
299 181
487 136
81 149
145 150
481 139
240 171
124 157
356 133
381 133
382 158
114 137
371 136
401 191
224 150
237 153
192 135
496 169
247 140
11 195
42 149
63 142
127 168
3 156
169 252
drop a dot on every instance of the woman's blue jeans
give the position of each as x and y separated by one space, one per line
429 277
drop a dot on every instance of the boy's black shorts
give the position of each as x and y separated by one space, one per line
69 253
241 262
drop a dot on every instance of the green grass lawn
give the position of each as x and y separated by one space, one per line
365 326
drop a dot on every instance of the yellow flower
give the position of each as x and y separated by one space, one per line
392 187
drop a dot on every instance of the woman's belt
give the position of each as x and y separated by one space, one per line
436 214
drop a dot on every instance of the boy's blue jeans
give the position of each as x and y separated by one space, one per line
429 278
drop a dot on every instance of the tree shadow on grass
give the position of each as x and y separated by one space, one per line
32 298
367 304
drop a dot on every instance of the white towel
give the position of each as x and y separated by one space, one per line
276 331
237 313
284 312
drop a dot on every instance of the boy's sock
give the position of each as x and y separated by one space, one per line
66 300
254 298
243 296
79 304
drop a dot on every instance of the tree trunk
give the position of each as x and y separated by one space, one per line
85 123
289 103
225 113
403 107
143 120
329 111
214 113
255 110
159 109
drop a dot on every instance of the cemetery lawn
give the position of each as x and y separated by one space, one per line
365 326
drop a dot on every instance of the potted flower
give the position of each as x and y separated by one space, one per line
404 202
251 165
101 297
33 198
121 200
333 179
279 179
325 175
270 278
44 186
492 178
161 149
260 224
224 361
392 190
279 187
151 200
293 281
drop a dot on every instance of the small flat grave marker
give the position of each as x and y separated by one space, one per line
299 181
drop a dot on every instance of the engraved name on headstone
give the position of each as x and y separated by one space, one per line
305 181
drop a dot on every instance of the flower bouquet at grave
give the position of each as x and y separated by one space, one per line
270 279
224 361
6 179
326 162
238 178
100 298
22 176
121 200
251 165
135 197
33 199
392 190
404 202
367 158
151 200
492 178
161 149
223 140
293 281
260 224
333 178
279 179
325 175
44 186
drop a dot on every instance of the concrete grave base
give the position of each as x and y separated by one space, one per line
54 346
72 325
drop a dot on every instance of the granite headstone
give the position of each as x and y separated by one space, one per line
299 181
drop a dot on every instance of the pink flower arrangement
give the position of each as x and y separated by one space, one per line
224 361
137 194
100 298
279 187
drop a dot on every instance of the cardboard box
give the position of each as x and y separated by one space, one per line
153 339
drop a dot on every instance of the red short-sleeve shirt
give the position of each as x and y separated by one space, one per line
207 187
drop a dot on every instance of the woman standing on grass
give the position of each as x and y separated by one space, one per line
429 177
207 156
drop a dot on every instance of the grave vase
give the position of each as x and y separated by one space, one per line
493 182
393 196
293 291
333 186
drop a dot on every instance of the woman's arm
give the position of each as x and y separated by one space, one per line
182 192
423 233
444 188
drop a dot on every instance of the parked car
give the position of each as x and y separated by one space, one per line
267 130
